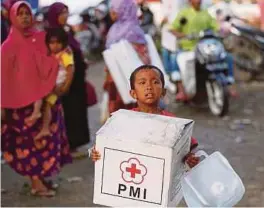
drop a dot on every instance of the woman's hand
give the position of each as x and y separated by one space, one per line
95 155
191 160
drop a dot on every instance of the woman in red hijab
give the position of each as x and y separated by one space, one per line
29 74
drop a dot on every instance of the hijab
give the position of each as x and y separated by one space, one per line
28 74
53 14
127 25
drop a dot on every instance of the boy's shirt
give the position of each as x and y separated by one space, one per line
196 21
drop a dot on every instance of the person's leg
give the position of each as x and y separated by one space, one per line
36 114
230 63
230 77
38 188
174 67
45 131
166 60
176 77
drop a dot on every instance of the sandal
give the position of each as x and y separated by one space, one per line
39 193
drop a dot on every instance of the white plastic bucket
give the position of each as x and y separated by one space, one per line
212 183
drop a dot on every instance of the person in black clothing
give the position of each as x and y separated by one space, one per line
74 102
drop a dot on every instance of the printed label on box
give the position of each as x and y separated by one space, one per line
133 176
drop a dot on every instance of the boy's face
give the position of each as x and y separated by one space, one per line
148 87
55 46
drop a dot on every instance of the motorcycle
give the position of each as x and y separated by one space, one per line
204 72
246 43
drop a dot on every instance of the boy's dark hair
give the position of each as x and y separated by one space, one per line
145 67
59 33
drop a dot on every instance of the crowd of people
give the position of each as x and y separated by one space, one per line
44 92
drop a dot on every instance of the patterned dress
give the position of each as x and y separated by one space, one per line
35 159
115 100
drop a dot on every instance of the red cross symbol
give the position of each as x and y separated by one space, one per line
133 170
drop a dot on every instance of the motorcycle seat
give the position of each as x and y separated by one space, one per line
249 29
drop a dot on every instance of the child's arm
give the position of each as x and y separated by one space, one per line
95 155
61 90
190 158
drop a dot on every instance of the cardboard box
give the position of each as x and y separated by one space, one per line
141 163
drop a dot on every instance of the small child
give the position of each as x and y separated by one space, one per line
57 42
147 87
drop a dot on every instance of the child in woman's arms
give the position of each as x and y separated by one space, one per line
57 43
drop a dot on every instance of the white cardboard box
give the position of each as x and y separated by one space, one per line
141 159
122 59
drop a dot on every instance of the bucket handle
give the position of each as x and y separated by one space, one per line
201 153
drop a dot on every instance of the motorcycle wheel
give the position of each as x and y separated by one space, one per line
218 98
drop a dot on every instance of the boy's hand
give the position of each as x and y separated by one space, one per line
191 160
95 155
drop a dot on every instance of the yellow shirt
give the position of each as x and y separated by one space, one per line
66 58
195 22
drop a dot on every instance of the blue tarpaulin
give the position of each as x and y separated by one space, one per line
34 4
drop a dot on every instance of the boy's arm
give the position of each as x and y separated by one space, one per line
194 143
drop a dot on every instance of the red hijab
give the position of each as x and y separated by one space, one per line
28 74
